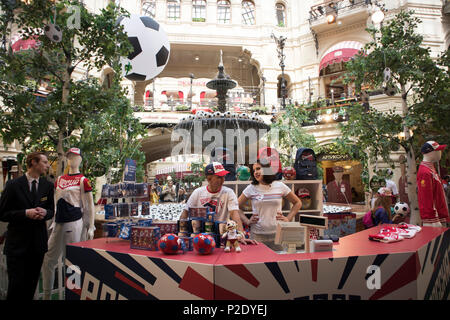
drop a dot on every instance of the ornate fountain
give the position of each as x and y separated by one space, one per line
246 129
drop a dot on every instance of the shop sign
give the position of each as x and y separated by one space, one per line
130 171
333 157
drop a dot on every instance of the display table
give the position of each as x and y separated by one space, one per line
415 268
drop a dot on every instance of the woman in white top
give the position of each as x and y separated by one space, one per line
266 195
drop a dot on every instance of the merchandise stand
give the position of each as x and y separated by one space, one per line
357 268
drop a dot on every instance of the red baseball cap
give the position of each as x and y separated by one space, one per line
76 151
216 168
430 146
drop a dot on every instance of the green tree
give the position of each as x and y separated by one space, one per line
292 135
415 75
96 42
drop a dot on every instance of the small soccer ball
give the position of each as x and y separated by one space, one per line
289 173
190 117
234 115
169 243
255 114
217 114
243 115
204 243
227 114
199 115
53 32
243 173
401 208
208 115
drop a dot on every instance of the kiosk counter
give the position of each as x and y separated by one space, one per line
357 268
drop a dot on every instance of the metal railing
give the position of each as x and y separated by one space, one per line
340 6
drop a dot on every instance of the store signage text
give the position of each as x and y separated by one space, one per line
374 280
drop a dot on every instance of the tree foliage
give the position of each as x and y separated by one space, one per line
420 80
292 135
78 111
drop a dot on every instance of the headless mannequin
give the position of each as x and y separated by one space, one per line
74 189
432 157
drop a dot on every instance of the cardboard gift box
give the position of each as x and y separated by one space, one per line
166 226
145 238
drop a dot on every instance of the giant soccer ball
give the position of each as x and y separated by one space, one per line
401 208
151 48
204 243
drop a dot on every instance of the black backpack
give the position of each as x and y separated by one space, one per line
305 164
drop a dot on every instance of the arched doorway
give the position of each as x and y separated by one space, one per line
332 67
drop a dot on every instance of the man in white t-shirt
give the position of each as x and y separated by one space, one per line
219 198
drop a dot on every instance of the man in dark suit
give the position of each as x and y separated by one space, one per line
26 203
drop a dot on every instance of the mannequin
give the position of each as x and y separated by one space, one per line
390 184
339 191
430 191
74 217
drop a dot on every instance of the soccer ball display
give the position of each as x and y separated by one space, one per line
289 173
151 48
401 208
204 243
169 243
53 32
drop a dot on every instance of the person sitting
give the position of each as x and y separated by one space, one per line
381 211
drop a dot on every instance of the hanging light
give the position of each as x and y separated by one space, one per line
331 14
377 15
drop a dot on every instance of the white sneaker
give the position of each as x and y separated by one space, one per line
227 249
238 249
386 237
404 225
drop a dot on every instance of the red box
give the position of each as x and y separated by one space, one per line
166 227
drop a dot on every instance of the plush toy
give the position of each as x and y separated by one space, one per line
232 236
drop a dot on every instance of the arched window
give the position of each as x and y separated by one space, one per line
248 12
281 15
199 10
149 8
173 9
223 11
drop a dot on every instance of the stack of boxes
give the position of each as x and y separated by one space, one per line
200 220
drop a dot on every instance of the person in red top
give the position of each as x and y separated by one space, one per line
430 191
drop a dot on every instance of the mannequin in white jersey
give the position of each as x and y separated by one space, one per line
74 217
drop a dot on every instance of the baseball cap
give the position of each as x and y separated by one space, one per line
215 168
430 146
76 151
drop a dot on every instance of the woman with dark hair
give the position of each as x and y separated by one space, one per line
266 194
381 211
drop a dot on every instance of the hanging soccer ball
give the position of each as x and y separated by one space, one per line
151 48
390 90
289 173
243 173
169 243
401 208
204 243
53 32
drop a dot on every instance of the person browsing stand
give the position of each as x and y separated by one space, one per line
217 197
266 195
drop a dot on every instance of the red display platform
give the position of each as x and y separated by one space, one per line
357 268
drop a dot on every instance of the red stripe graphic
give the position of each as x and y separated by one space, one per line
224 294
195 283
401 278
242 271
314 265
124 279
